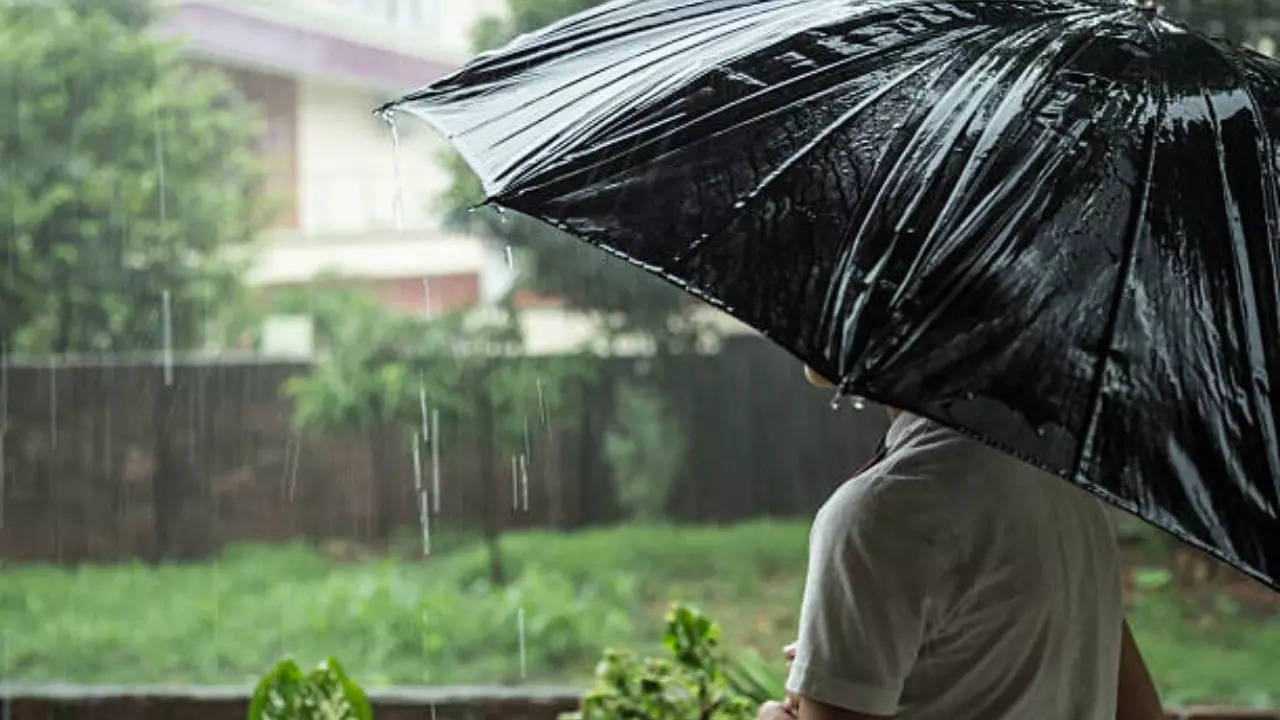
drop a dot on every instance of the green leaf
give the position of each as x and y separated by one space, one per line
325 693
1152 578
694 686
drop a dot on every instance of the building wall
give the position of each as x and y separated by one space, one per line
456 19
347 164
275 98
439 29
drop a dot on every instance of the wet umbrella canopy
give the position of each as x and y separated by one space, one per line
1049 224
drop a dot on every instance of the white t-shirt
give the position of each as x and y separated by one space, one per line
950 581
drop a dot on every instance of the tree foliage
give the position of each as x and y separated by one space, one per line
126 174
1241 21
381 369
645 448
377 366
699 680
624 299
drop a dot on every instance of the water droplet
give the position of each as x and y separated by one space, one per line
511 261
422 409
739 204
424 517
293 475
397 198
520 630
161 192
167 318
53 401
524 483
515 482
542 402
528 448
969 395
859 403
284 476
1040 431
435 458
4 428
417 463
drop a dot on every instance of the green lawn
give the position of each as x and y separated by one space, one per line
395 619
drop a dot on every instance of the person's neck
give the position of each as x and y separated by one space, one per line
893 413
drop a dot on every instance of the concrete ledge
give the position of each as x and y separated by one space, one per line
1223 714
197 702
473 702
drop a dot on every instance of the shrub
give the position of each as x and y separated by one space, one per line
645 449
325 693
698 681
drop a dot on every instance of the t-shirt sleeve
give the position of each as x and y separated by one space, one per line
868 599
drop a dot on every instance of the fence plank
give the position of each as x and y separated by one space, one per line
108 462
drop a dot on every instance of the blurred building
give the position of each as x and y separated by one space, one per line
351 208
316 69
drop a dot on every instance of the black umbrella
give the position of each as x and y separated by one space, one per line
1051 224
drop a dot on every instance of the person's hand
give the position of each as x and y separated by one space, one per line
792 703
774 710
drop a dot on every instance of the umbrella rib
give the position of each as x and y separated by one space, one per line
1246 290
804 151
976 159
671 47
1126 261
839 122
670 52
729 108
893 175
501 59
1008 220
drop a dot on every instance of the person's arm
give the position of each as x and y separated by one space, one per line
814 710
1136 696
811 710
790 708
876 558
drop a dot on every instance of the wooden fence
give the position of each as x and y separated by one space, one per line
107 461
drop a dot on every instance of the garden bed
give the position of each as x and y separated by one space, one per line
478 702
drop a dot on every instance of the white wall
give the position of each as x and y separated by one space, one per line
346 164
455 19
440 29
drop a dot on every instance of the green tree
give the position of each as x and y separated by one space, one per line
645 449
623 299
126 174
378 369
1241 21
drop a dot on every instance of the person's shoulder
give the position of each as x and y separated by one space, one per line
887 499
928 476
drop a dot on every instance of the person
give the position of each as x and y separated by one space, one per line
950 581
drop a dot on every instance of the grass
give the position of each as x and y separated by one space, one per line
1208 654
395 620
